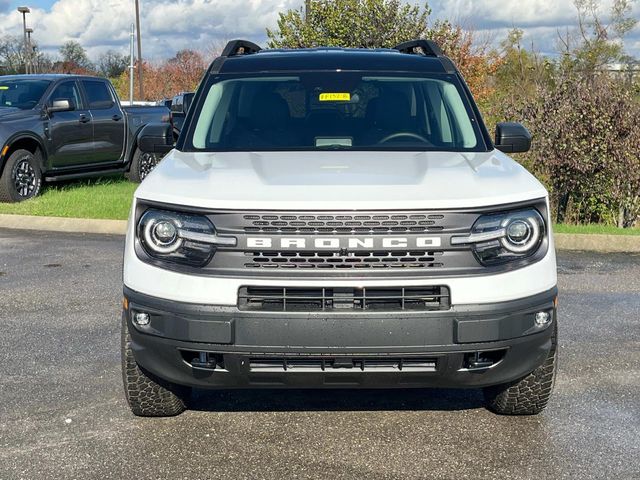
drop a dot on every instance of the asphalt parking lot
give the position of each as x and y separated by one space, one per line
63 413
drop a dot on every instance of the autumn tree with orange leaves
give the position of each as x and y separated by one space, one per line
181 73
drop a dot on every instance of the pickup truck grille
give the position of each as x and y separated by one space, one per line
337 260
297 299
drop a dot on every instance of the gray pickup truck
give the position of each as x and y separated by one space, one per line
60 127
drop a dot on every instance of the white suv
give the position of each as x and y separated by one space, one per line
338 218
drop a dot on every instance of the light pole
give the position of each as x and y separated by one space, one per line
30 50
141 88
131 65
24 11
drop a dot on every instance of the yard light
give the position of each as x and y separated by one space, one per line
24 11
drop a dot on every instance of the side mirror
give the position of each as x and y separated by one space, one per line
61 105
178 107
512 137
156 138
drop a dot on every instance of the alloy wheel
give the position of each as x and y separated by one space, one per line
25 178
148 161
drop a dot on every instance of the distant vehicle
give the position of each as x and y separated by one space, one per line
59 127
179 108
165 101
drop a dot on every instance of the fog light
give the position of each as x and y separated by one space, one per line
542 318
141 319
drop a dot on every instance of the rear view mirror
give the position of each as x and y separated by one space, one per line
156 138
61 105
512 137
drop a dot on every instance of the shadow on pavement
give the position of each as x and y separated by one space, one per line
286 400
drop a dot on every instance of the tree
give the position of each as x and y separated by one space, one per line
185 70
111 64
384 24
74 59
477 61
164 80
11 55
350 23
597 42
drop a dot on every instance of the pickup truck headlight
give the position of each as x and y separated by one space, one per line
183 238
504 237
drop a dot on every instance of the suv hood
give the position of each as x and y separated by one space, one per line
337 180
8 113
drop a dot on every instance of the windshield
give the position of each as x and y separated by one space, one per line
335 110
23 94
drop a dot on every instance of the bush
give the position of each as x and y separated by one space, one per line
586 147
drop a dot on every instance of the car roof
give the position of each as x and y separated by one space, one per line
330 58
48 76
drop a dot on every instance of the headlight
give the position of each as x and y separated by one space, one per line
179 237
505 237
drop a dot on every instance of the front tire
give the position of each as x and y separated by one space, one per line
142 163
148 395
529 395
21 178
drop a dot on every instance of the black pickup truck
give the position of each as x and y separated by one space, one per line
179 108
59 127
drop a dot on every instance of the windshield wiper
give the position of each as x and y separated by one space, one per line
334 146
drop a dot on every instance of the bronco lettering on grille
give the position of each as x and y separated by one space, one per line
337 243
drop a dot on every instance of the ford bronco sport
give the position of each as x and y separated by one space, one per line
338 218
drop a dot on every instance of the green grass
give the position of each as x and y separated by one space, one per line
104 197
110 197
595 228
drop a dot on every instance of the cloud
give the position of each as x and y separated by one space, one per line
166 26
171 25
541 20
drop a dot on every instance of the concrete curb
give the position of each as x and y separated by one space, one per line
61 224
598 242
564 241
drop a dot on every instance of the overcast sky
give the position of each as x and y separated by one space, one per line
171 25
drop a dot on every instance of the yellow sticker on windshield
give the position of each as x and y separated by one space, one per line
4 87
335 97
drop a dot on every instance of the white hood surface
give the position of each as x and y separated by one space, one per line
339 180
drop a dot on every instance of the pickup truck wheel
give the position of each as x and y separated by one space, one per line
529 395
21 178
141 165
147 395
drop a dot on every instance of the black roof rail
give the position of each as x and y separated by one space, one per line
239 47
429 48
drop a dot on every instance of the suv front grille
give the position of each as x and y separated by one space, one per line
328 260
343 224
388 299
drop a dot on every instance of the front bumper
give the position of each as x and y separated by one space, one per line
363 349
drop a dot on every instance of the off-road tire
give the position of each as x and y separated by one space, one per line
147 395
22 167
141 165
529 395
